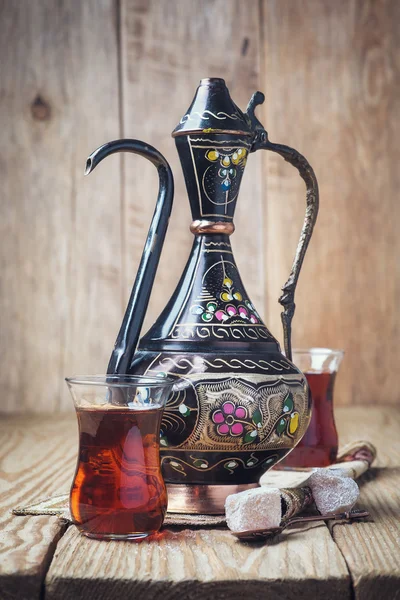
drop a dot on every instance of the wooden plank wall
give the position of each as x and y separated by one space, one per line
60 234
75 74
332 73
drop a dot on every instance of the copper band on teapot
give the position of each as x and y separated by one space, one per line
198 227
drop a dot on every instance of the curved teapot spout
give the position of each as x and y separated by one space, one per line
128 335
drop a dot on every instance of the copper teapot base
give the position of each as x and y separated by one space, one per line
201 499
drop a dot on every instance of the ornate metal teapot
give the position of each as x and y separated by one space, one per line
239 404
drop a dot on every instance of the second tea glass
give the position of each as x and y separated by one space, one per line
118 491
319 445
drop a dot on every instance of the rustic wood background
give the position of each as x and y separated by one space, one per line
77 73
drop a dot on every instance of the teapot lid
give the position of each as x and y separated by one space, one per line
213 111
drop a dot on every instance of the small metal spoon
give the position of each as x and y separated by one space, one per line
261 534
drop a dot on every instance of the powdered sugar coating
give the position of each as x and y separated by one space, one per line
257 508
333 493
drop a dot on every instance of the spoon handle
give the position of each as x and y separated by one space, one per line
263 534
345 516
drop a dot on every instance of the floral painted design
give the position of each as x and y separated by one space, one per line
184 410
231 311
206 313
228 294
225 302
199 463
229 419
227 161
252 310
244 311
289 420
163 439
233 420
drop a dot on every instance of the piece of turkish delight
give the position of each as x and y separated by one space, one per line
257 508
332 493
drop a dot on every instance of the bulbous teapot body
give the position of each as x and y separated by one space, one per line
232 414
239 405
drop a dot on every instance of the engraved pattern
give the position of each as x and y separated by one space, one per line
220 115
175 416
263 404
230 464
218 183
218 244
296 500
221 179
190 332
215 141
273 411
184 364
220 308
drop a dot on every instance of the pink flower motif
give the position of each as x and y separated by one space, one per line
231 311
227 417
221 315
243 312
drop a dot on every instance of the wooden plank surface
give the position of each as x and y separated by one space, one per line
37 457
372 549
75 74
167 47
60 247
206 565
331 72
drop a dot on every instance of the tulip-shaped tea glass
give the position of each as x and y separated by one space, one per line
118 491
318 447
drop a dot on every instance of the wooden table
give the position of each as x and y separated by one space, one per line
41 557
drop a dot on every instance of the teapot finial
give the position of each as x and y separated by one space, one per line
213 111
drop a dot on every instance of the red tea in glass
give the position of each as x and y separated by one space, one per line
319 445
118 491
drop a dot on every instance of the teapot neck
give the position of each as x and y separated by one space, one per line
210 307
213 166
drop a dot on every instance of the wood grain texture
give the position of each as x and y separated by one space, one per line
378 425
331 71
76 74
371 549
60 247
37 457
209 564
167 47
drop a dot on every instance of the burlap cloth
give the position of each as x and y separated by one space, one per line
287 478
59 507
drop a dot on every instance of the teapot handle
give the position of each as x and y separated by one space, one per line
129 332
306 172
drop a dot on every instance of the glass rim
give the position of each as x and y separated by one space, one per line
316 350
121 380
